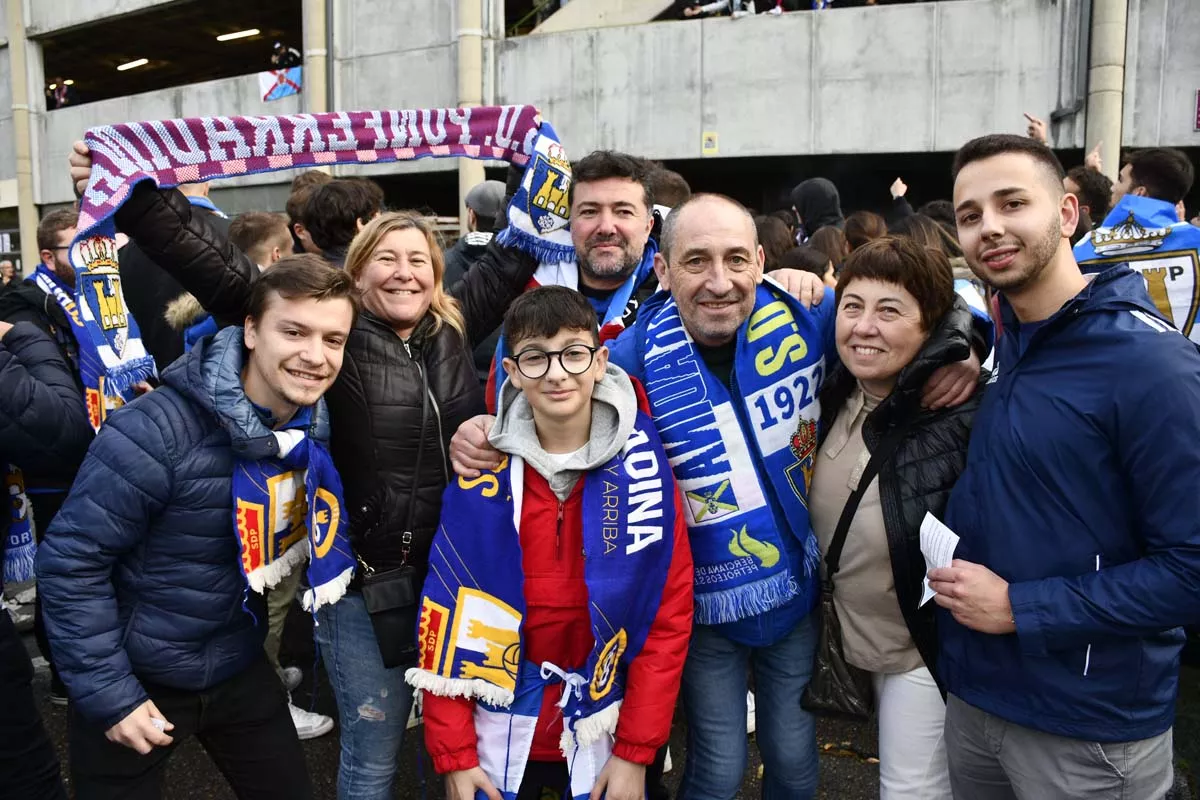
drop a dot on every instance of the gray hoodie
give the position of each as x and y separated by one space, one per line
614 409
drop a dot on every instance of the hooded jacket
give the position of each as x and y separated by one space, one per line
557 625
1080 491
925 466
817 202
139 573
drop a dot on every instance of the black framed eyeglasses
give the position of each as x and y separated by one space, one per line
575 360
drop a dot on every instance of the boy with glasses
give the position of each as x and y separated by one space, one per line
558 606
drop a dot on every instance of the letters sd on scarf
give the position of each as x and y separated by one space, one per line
473 604
738 453
173 152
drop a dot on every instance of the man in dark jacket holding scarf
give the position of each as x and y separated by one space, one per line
146 595
44 430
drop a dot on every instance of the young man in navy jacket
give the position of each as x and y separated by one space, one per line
1080 553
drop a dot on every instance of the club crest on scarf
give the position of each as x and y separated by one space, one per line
1143 233
548 205
100 286
20 548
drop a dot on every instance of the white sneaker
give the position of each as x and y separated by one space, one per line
776 11
292 676
739 14
309 725
749 713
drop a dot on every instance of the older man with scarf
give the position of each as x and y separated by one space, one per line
732 366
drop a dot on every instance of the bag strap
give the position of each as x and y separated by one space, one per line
891 441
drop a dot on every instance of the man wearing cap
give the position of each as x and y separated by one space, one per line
484 203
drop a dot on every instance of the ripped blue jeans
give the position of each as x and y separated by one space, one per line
373 702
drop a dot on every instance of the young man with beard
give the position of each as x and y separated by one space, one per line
1079 559
146 594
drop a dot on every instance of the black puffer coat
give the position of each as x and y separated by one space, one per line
920 474
395 404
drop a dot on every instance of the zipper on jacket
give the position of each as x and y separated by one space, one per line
1087 656
558 533
407 535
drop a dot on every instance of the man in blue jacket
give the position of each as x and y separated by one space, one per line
44 430
1144 230
147 608
1078 511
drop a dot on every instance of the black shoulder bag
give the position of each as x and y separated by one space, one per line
836 686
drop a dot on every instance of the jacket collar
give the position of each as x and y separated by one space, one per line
211 376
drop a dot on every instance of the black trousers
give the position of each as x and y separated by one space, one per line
28 765
243 724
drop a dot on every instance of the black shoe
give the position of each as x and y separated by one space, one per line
58 691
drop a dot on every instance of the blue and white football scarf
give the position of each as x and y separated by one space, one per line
110 356
289 508
736 452
1146 234
473 604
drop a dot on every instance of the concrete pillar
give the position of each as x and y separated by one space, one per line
470 92
315 95
1106 81
27 215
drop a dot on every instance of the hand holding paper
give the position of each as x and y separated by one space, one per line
937 545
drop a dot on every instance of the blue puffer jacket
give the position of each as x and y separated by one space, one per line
1081 491
139 574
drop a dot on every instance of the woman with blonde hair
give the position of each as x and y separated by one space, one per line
407 382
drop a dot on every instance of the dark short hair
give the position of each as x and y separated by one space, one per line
787 217
927 233
668 188
542 312
807 259
334 209
862 227
301 276
303 185
1164 172
998 144
941 212
831 241
54 223
604 164
251 231
774 237
1095 190
666 240
926 274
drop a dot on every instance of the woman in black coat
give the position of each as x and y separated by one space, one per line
898 321
407 382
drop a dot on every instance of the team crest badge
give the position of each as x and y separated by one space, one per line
99 284
803 445
1128 238
710 503
605 673
549 204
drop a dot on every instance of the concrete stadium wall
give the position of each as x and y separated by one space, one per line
905 78
1162 73
47 16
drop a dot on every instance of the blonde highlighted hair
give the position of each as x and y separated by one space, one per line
444 308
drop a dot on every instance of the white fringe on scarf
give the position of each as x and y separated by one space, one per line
269 575
589 730
472 688
328 592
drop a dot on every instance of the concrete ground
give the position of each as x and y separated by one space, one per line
848 768
847 773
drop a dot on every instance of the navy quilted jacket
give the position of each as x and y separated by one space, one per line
139 573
